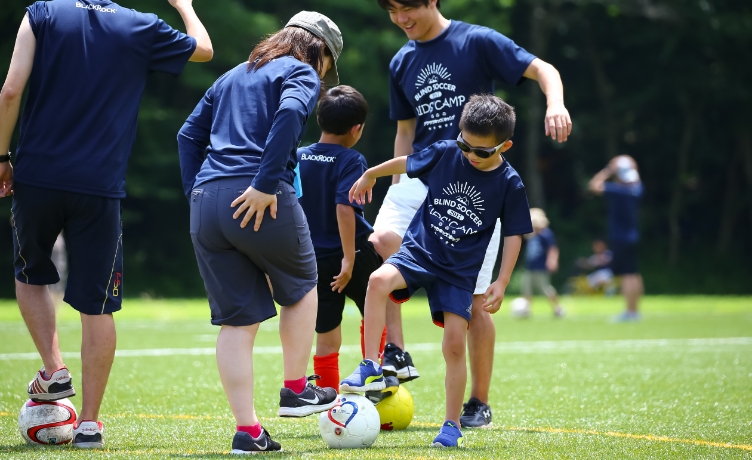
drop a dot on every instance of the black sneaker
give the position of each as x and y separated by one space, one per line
398 363
475 414
392 384
244 443
313 399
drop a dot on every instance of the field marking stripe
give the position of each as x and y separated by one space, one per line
614 434
647 437
501 347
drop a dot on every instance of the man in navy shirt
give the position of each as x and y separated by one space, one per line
470 186
85 64
620 183
431 78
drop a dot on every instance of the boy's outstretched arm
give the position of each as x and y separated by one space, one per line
362 190
495 293
346 225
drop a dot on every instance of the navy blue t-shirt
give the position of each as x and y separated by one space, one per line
432 80
623 205
451 230
536 249
249 123
327 172
91 62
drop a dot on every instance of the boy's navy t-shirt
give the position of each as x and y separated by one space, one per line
249 123
91 63
431 81
451 230
623 206
327 172
536 249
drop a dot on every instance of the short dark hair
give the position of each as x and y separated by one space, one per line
290 41
385 4
486 114
341 108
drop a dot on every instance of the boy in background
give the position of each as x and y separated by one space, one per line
541 259
339 231
470 185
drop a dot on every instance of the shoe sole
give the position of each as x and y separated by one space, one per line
46 397
473 425
438 444
88 445
252 452
403 375
304 411
373 386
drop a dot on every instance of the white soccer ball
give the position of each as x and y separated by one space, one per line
47 422
352 423
520 307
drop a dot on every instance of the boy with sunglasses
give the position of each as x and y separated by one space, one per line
431 77
470 186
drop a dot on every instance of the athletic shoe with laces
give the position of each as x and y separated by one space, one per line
59 385
366 377
449 436
244 443
311 400
475 414
391 386
89 435
399 363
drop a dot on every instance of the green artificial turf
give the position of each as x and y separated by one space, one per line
677 384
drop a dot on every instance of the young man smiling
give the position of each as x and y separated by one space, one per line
431 78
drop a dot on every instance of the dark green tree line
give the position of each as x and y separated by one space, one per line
666 82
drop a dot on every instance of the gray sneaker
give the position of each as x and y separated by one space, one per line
475 414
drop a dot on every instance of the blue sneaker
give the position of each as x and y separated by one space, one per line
366 377
449 436
627 317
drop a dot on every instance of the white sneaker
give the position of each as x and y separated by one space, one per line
59 385
89 435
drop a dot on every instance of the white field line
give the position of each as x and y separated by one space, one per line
548 346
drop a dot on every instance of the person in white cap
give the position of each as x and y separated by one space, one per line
237 157
620 183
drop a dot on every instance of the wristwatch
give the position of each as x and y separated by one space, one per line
4 158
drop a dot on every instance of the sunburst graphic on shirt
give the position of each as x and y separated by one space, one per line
431 74
466 194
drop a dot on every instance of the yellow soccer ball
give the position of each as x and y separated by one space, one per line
396 411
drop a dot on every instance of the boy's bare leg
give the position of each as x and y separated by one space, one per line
453 348
382 282
387 243
481 339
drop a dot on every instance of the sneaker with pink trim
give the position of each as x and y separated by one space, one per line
59 385
89 435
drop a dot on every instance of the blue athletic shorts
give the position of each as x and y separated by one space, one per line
442 296
235 262
93 236
332 303
624 260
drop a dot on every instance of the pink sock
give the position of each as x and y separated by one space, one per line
297 385
253 430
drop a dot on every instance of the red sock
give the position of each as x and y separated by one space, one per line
327 367
297 385
253 430
382 344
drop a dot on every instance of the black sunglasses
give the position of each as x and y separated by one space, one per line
481 152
